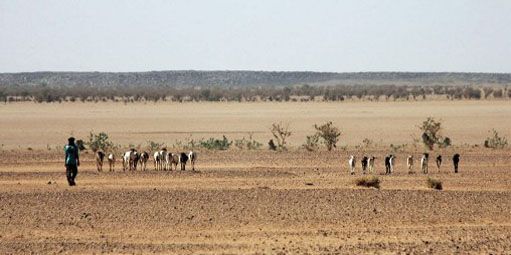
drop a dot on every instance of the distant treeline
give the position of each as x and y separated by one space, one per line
249 86
46 93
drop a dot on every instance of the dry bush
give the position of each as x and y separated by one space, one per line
368 181
434 183
281 133
495 141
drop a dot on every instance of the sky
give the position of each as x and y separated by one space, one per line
271 35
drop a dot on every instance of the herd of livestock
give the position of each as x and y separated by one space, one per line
163 160
368 163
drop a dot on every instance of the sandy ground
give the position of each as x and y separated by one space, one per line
48 125
255 203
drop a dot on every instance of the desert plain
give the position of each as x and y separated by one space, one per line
255 201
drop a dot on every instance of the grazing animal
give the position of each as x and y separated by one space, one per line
134 157
171 159
371 164
183 158
192 155
144 157
364 162
409 163
439 162
424 163
391 161
389 164
157 160
456 161
111 161
100 156
352 161
125 160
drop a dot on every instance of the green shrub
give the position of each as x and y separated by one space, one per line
434 183
216 144
248 144
154 146
368 181
329 133
99 141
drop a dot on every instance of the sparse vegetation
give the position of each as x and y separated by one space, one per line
434 183
247 143
99 141
368 181
311 143
495 140
280 132
329 133
216 144
431 134
153 146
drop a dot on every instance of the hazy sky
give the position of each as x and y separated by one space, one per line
320 35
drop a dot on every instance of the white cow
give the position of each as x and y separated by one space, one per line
192 156
409 163
352 161
371 164
392 159
424 163
111 161
157 160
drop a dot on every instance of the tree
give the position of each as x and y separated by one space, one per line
431 129
280 132
329 133
99 141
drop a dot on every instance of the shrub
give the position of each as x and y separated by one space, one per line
280 132
249 144
329 133
311 143
367 142
80 144
434 183
368 181
99 141
495 141
154 146
431 130
216 144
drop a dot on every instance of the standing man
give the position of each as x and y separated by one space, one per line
72 161
456 161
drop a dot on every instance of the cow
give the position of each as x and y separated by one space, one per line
409 163
439 162
134 158
192 155
111 161
183 158
424 163
352 161
392 159
171 159
144 157
456 161
100 156
157 161
364 163
371 164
